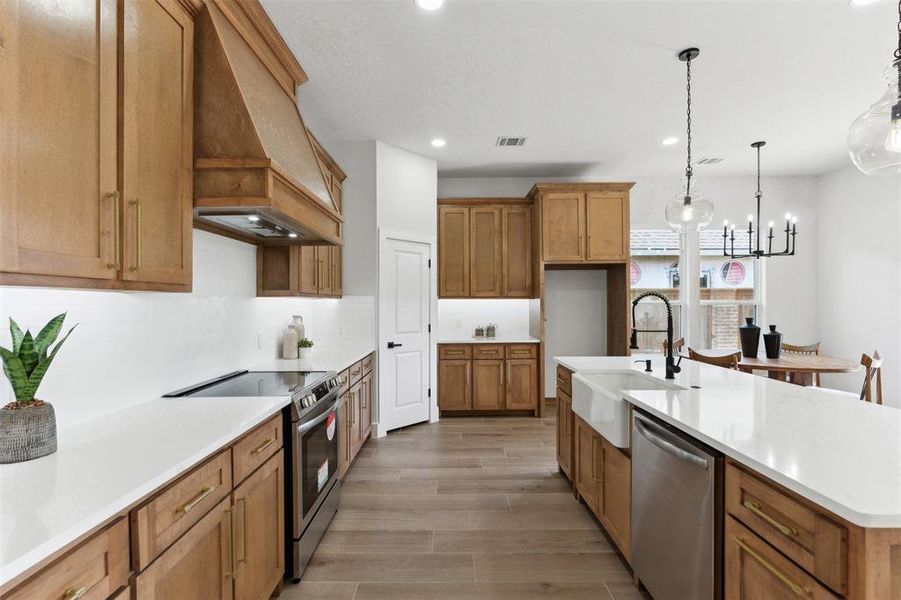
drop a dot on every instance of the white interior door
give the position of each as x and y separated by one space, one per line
404 309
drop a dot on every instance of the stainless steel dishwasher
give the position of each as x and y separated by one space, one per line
677 519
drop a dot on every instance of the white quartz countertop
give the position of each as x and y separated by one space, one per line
324 359
104 466
488 340
827 446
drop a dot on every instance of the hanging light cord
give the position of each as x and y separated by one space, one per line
759 193
688 168
898 50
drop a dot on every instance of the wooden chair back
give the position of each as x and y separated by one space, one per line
677 346
872 383
729 361
808 349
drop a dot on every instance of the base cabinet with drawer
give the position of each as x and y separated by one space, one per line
357 396
488 377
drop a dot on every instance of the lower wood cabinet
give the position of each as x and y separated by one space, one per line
196 567
564 433
355 413
588 475
488 377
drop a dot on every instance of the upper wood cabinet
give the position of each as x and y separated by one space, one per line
453 251
584 222
484 249
66 218
300 271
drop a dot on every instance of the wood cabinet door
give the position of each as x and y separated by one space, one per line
488 384
356 426
517 252
455 384
309 272
58 169
587 467
365 407
197 566
453 251
344 435
617 496
337 262
323 270
607 219
564 433
157 142
485 275
563 226
259 532
754 570
522 384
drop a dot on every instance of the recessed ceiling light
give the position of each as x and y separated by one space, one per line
429 4
253 218
439 143
292 235
669 141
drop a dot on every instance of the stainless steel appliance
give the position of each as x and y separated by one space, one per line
677 519
311 449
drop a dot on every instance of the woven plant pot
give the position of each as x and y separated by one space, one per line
27 433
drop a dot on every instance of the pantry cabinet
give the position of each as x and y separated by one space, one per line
488 377
484 248
66 217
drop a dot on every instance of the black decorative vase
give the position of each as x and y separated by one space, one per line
772 341
750 338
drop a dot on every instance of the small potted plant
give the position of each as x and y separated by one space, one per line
305 349
28 425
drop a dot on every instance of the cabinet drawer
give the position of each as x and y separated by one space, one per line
522 351
455 351
367 364
356 371
488 351
756 571
256 447
564 380
343 381
798 530
92 571
162 520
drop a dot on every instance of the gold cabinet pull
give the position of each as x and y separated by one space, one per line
758 510
243 558
187 506
799 590
114 196
232 567
75 594
266 443
137 204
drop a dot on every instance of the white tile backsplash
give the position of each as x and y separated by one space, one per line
135 346
458 318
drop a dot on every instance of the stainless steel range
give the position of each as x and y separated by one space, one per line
311 449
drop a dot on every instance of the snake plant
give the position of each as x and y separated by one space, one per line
27 363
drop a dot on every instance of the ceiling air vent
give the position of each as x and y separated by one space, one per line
510 141
709 161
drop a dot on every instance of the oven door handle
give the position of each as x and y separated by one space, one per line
305 427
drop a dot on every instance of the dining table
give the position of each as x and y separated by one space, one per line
794 368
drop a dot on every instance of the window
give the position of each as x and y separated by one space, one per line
655 258
729 296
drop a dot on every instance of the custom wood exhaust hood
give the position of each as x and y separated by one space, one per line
256 176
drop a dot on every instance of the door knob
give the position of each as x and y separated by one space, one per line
393 345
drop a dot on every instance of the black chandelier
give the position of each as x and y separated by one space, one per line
754 248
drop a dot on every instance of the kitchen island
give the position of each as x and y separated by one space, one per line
802 464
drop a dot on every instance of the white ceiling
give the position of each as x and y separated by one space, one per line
594 85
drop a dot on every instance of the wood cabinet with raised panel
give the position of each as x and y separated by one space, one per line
522 384
564 433
485 248
563 226
455 384
588 475
488 384
66 218
488 377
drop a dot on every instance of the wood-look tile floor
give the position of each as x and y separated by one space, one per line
464 509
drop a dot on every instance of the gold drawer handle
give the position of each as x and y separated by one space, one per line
262 447
187 506
73 594
757 510
799 590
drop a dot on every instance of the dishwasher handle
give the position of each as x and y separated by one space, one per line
657 436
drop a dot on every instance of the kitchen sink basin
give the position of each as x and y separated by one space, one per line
598 400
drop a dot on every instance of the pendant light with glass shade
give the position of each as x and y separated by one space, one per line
874 138
690 211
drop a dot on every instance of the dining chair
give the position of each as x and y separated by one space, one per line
808 350
677 346
872 372
729 361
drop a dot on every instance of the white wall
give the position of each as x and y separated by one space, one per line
407 190
131 347
859 273
790 292
457 319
